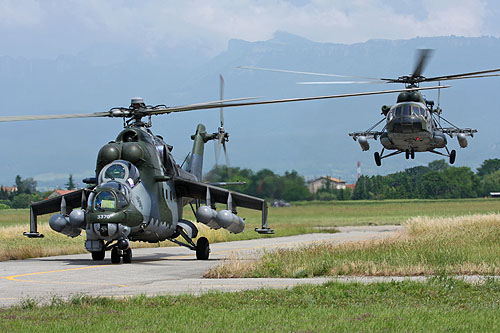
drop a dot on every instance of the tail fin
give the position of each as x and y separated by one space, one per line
200 138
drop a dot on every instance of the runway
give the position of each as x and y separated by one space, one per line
155 271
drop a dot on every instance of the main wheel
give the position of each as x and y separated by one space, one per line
453 155
407 153
98 255
378 161
127 256
412 154
202 249
115 256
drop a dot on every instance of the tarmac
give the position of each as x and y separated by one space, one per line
159 271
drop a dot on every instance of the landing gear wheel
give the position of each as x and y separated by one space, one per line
202 249
412 154
98 255
407 154
453 155
115 256
378 160
127 256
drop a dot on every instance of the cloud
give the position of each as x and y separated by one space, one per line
206 25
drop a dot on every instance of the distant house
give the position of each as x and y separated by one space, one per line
321 182
350 186
9 189
57 193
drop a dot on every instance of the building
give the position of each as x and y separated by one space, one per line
322 182
57 193
9 189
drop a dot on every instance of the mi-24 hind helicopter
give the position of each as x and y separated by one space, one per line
413 124
139 191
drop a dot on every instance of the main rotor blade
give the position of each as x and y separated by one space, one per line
221 90
341 82
288 100
55 116
423 58
305 73
470 75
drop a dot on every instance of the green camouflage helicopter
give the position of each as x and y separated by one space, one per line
412 124
139 191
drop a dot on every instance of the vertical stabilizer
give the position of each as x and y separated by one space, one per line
196 161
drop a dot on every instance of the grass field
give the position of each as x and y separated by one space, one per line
451 245
441 304
303 217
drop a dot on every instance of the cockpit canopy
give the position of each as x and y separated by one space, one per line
120 171
408 110
407 118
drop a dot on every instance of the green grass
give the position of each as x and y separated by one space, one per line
441 304
302 217
457 245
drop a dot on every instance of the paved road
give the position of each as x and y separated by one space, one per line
154 271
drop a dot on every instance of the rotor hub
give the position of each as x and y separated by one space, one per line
137 102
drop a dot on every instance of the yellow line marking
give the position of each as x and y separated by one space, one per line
15 277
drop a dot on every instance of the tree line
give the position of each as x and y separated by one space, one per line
437 180
26 193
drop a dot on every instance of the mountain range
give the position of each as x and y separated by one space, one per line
310 137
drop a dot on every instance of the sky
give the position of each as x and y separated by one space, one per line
50 28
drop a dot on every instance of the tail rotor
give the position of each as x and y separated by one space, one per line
222 135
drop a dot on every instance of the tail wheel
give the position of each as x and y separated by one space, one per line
453 155
378 160
202 249
127 256
115 256
98 255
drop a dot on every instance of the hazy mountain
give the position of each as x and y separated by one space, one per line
310 137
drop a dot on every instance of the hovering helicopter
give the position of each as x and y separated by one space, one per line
413 124
139 191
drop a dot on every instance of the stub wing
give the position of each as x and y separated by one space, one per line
198 190
62 203
453 131
367 134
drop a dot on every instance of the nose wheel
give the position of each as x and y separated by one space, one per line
117 255
410 153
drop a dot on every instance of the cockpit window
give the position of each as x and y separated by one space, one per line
398 111
115 171
105 200
120 170
110 200
406 110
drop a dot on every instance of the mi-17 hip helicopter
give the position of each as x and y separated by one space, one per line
139 191
413 124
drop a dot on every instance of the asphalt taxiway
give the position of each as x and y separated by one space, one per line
156 271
